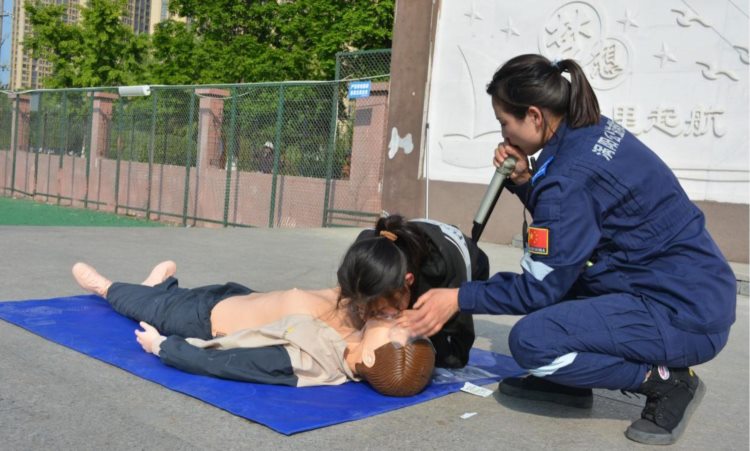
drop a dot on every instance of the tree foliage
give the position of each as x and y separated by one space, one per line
223 41
54 40
99 51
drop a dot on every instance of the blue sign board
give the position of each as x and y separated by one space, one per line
359 89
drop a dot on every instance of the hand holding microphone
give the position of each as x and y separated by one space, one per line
520 174
493 189
502 172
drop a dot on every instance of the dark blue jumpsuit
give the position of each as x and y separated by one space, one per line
625 274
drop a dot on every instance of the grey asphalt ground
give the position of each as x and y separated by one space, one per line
52 397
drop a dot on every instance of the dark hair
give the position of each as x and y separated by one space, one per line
371 269
400 370
533 80
411 240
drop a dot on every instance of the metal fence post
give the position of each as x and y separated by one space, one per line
88 150
118 146
43 132
229 150
151 140
331 138
15 147
277 153
40 142
188 153
64 143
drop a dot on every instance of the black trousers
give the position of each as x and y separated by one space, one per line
170 309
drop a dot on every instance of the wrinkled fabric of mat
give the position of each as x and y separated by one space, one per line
88 325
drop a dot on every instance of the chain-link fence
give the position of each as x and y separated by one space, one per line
295 154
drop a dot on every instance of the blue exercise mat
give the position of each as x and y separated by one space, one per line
87 324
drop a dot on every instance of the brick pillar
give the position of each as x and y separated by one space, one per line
369 138
209 127
22 105
100 122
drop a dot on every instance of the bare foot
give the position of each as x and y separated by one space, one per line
160 273
90 280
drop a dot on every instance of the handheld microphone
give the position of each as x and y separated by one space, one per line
491 196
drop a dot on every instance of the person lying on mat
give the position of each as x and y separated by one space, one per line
292 337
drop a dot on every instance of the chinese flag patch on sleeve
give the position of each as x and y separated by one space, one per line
539 240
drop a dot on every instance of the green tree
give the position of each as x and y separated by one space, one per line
56 41
176 55
228 41
98 51
224 41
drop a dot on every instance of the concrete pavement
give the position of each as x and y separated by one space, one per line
54 398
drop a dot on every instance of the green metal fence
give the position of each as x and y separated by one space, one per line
293 154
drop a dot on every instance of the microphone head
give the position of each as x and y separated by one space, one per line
508 165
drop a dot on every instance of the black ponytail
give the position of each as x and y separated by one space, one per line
533 80
410 239
583 107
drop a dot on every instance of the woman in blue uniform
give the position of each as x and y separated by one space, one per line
622 285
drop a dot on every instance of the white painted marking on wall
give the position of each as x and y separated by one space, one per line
397 142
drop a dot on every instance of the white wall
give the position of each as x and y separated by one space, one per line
674 72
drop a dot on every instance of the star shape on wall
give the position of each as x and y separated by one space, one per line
628 21
665 55
473 13
509 30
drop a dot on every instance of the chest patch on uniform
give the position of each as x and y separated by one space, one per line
539 240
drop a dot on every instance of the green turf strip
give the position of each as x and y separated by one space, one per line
28 212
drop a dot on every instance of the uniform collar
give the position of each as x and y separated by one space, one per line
550 151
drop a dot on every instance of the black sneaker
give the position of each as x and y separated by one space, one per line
539 389
672 396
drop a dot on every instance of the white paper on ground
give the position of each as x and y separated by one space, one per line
476 390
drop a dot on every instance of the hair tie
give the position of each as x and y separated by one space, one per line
390 235
556 64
